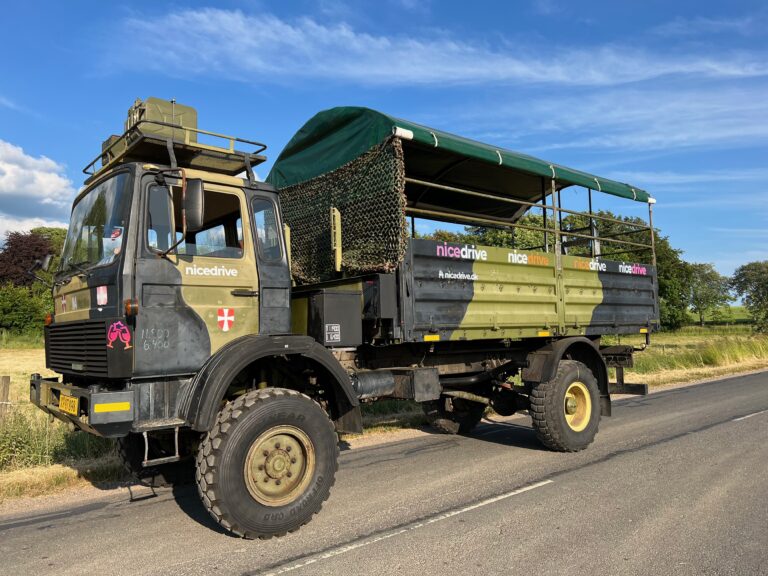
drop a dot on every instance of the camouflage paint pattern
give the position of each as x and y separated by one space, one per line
470 292
180 298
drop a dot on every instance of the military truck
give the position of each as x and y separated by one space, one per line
208 320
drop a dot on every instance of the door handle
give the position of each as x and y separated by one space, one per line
246 293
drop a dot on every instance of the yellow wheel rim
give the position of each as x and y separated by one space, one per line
279 465
577 406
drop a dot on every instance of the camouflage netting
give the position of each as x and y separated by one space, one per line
369 192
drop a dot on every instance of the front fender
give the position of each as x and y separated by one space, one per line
203 399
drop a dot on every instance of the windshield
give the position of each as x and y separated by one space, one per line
97 228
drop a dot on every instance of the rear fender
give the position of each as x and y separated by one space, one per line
542 364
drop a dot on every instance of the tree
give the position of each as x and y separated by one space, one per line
20 310
709 290
19 254
23 301
55 236
750 282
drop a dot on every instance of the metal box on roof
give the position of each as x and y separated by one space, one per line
154 110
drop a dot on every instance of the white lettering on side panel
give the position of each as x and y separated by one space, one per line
196 270
333 332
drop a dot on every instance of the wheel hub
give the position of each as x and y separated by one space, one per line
279 465
577 406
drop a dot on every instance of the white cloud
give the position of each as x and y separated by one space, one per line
743 232
546 7
32 179
6 103
667 178
10 223
712 114
701 25
263 47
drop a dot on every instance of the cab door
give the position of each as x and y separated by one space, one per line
274 275
203 293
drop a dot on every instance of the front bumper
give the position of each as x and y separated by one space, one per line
108 414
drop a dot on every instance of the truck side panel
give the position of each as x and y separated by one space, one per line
468 292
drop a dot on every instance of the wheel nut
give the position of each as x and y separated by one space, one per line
265 453
289 474
277 445
261 467
266 479
287 448
277 482
293 460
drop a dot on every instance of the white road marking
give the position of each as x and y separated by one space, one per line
749 415
387 535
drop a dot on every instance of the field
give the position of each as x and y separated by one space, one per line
37 455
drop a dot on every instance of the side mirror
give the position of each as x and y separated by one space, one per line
40 265
194 205
46 262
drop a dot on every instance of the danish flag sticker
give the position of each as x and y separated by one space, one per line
226 319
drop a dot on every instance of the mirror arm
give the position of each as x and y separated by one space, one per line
31 273
183 212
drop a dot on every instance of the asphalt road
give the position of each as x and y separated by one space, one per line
676 483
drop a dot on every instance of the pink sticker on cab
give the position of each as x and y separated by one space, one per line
101 295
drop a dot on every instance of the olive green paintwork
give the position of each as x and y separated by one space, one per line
207 294
72 301
204 295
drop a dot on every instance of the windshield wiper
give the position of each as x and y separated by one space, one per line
78 266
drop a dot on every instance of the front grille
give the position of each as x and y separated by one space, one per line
77 348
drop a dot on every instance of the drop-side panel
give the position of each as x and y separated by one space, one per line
470 292
616 297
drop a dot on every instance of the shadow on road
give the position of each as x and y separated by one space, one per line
188 501
507 434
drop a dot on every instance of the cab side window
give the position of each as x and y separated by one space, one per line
267 230
220 237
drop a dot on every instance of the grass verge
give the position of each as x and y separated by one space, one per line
42 480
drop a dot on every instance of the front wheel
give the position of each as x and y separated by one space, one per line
268 464
566 410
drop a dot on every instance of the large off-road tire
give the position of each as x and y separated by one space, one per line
453 415
130 450
566 410
268 464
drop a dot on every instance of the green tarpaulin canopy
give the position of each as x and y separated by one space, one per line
334 137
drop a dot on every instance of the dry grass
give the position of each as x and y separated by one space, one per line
19 364
42 480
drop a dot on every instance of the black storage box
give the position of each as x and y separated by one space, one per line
336 318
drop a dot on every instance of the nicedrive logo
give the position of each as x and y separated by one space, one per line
195 270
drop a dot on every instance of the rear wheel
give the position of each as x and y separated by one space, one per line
453 415
566 410
268 464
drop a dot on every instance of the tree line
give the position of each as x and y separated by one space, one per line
683 286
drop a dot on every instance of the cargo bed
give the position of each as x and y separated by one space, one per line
447 291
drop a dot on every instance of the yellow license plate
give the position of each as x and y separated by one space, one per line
69 404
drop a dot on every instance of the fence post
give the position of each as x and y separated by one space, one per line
5 386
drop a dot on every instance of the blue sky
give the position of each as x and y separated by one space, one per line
668 96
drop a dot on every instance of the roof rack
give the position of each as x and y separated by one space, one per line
164 142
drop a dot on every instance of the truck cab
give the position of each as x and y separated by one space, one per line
170 256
